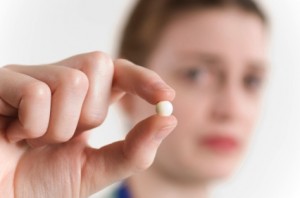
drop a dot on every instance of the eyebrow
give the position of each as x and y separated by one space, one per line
210 58
214 59
259 66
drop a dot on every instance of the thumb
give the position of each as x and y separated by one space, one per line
124 158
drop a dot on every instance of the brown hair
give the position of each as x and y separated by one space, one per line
150 16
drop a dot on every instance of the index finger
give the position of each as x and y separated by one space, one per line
137 80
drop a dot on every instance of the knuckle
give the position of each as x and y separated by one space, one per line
76 81
100 63
38 90
97 57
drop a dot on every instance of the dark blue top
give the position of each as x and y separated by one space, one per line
123 191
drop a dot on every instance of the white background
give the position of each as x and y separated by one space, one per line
39 31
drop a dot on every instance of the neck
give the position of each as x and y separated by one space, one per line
152 183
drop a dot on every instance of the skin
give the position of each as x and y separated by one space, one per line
215 60
45 115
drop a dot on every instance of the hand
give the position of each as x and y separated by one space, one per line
45 112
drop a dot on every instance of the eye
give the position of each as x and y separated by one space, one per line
253 82
195 74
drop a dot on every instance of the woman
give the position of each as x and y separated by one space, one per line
213 54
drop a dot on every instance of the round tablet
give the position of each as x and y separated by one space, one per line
164 108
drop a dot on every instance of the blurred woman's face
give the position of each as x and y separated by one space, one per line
215 60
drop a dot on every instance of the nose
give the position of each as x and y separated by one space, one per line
228 103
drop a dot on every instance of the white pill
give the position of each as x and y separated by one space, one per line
164 108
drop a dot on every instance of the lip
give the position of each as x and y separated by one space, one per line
220 143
